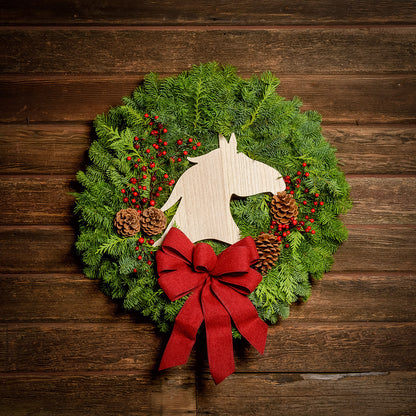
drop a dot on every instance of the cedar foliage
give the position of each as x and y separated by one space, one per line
201 103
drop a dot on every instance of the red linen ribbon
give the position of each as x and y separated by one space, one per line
219 287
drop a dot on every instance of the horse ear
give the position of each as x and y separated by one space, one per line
222 141
233 143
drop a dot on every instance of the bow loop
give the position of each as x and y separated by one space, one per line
203 258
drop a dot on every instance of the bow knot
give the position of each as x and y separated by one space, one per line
219 287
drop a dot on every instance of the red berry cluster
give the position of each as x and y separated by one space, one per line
305 224
149 156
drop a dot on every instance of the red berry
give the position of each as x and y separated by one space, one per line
149 262
136 138
136 146
304 202
152 165
139 257
198 144
144 188
137 248
272 227
190 140
193 147
156 117
156 146
147 150
152 203
141 240
274 222
179 142
306 190
316 195
136 165
133 201
279 238
284 234
306 174
294 222
179 159
315 203
185 152
304 164
134 270
159 188
302 223
128 157
125 199
164 153
313 210
312 220
292 192
150 124
287 187
298 173
138 159
313 232
144 176
165 143
165 130
123 191
151 242
146 115
287 245
135 194
321 203
157 194
144 168
153 178
166 176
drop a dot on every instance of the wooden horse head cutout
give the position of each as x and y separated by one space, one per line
206 188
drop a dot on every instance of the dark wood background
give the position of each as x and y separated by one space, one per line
66 349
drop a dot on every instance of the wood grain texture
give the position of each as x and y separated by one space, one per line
60 148
340 99
74 347
132 393
208 12
44 249
47 200
312 50
370 394
344 297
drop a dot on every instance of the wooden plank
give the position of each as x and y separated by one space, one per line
340 99
37 200
43 249
53 149
387 248
306 50
74 347
370 394
47 200
57 298
337 298
208 12
374 149
60 149
132 393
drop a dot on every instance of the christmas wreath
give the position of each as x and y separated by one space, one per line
142 148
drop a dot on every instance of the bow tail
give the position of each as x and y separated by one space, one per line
219 336
183 336
244 315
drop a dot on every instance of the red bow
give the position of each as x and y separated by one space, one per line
219 287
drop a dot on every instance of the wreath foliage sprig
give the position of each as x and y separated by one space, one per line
199 104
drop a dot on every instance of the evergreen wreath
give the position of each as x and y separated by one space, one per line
140 151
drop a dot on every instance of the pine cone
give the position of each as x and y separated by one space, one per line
268 248
283 207
153 221
127 222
